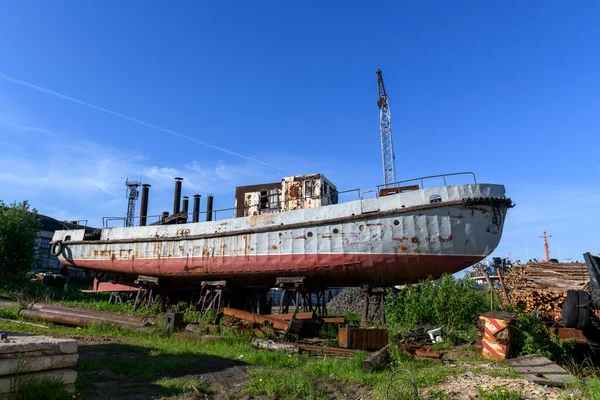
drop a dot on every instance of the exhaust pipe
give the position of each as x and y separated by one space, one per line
177 196
209 207
196 214
186 204
184 209
144 208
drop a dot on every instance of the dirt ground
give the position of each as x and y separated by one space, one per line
225 376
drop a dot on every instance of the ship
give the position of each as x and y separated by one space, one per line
397 234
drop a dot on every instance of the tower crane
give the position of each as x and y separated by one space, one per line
385 130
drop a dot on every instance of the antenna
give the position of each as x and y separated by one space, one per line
132 194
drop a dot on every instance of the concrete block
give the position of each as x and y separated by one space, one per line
11 366
10 383
20 345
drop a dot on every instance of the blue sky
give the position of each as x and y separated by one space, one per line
506 89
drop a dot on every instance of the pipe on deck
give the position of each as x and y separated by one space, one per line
144 205
177 196
209 207
196 213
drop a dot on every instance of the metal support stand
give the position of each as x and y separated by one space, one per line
255 300
211 296
379 312
295 294
147 284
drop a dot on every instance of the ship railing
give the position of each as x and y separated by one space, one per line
420 182
75 224
226 213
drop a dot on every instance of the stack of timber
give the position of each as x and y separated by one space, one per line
543 286
27 357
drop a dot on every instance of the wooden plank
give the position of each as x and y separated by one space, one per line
334 320
540 370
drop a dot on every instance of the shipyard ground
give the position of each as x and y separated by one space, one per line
117 363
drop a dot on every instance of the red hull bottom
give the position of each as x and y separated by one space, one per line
334 269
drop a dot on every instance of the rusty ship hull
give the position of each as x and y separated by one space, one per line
387 240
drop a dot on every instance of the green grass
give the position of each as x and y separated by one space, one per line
284 384
40 389
183 386
499 393
592 388
165 355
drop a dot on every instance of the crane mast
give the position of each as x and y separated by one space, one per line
132 196
385 130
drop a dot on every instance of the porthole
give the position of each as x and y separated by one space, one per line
336 230
396 222
309 234
361 228
436 198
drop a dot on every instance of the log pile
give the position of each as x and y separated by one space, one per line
543 286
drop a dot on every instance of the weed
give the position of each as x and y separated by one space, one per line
499 393
183 386
581 369
534 338
285 384
41 389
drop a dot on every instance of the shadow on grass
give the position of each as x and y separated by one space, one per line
134 372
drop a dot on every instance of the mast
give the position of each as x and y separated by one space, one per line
545 237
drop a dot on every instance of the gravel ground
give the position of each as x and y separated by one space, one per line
466 387
351 300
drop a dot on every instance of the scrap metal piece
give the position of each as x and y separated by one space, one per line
362 338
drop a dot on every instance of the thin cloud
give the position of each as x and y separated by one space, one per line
33 129
134 120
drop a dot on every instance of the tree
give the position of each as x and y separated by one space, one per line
18 232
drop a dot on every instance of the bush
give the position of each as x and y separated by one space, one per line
450 303
18 232
532 337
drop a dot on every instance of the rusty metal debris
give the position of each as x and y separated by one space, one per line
362 338
256 318
300 347
420 352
